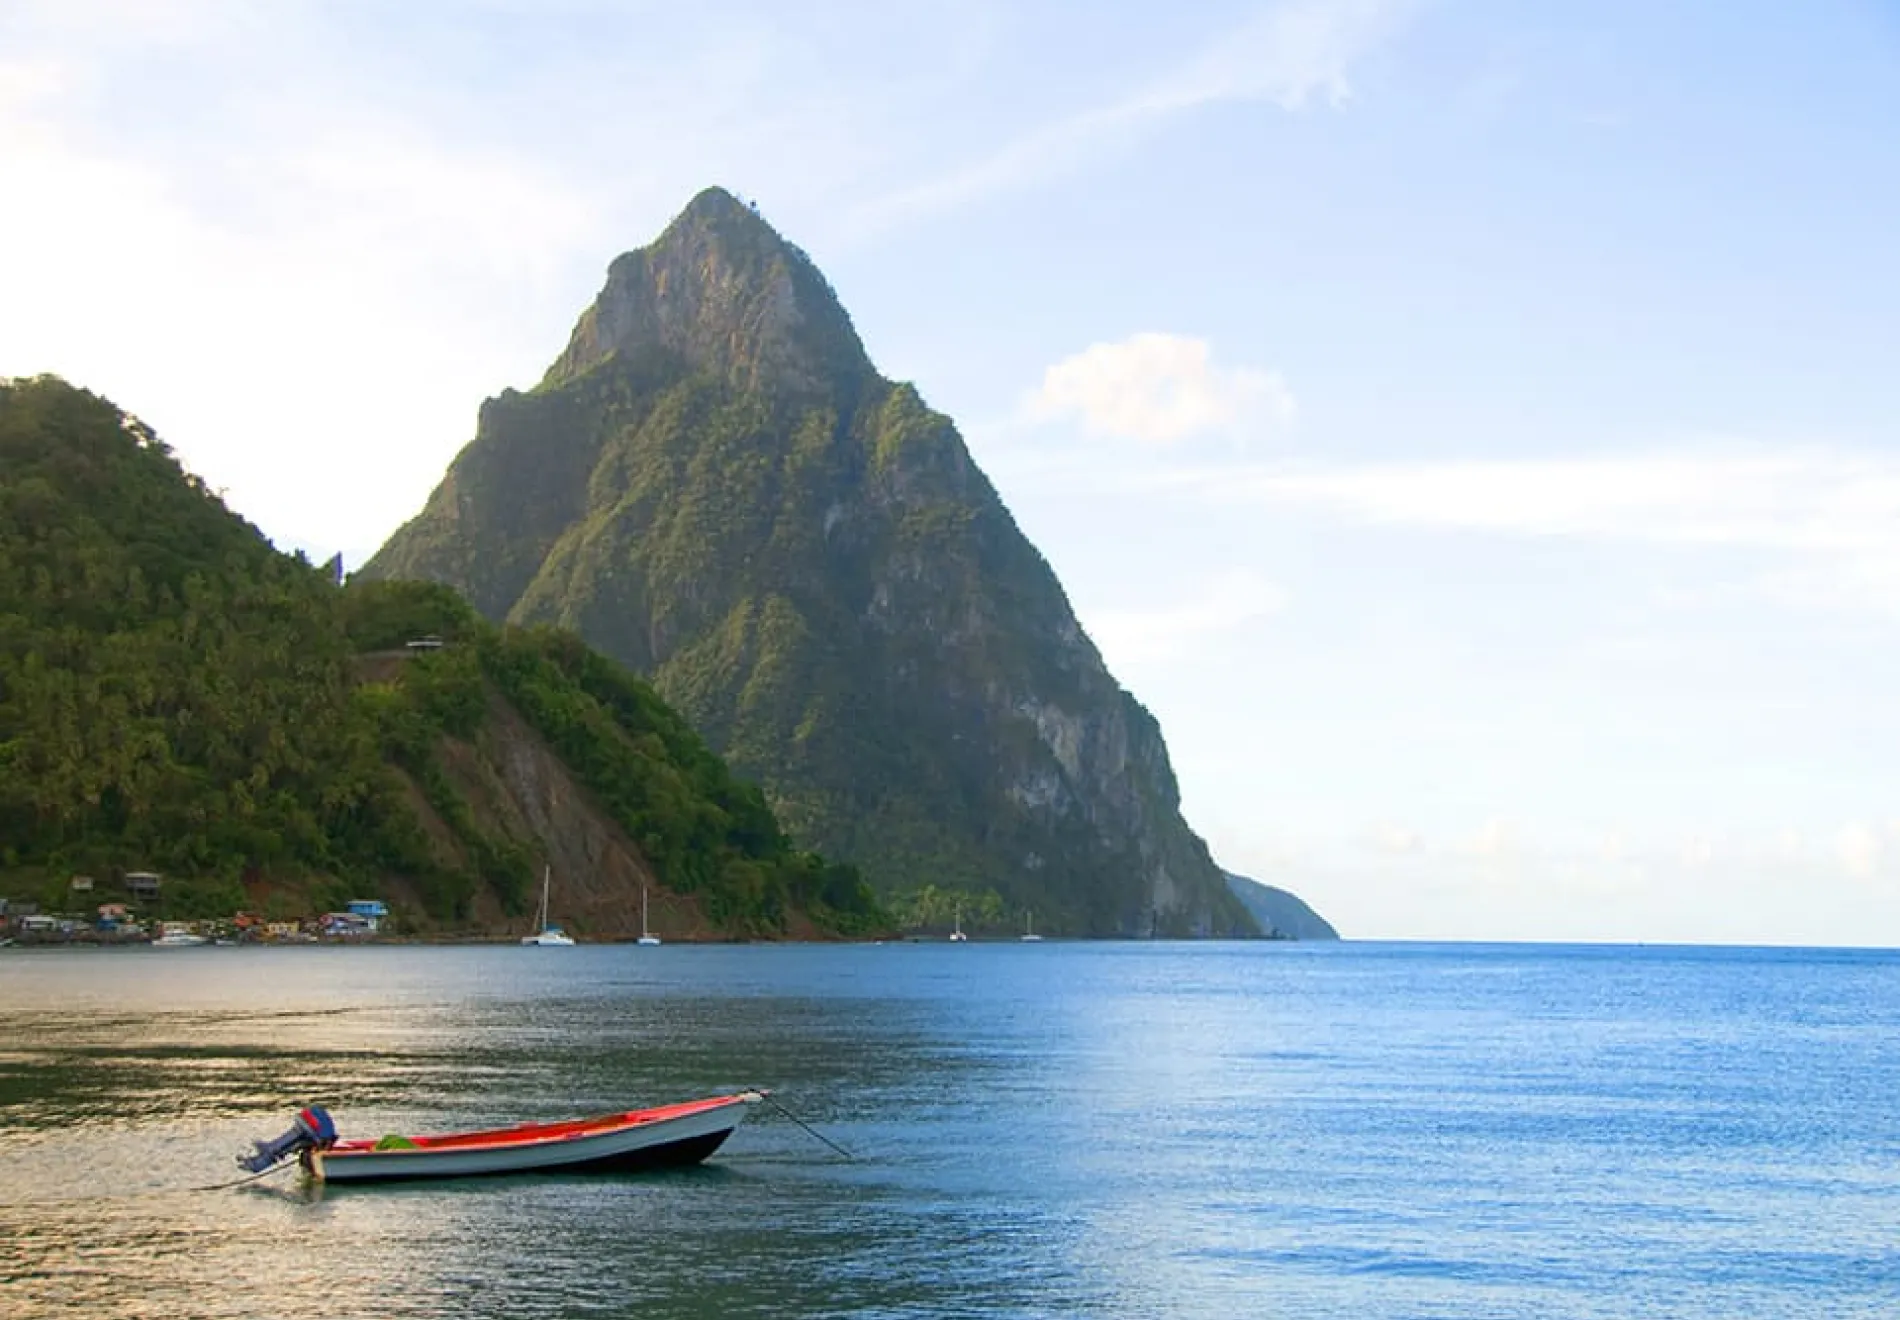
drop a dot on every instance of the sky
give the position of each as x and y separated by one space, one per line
1471 427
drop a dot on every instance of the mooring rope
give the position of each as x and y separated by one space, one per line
150 1193
278 1167
769 1099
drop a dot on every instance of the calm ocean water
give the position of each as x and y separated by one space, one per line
1362 1130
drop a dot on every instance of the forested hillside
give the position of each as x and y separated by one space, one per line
178 696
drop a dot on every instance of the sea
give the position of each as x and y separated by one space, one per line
1354 1130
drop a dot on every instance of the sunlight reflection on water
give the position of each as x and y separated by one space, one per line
1116 1130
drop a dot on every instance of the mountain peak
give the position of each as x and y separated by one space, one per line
723 290
715 205
716 487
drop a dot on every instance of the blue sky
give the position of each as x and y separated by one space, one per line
1471 427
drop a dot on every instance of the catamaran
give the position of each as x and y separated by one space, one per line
544 933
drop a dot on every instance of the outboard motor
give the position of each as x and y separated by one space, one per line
313 1130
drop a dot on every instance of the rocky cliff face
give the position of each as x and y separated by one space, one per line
519 788
713 485
729 297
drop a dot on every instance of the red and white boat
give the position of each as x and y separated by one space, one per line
669 1135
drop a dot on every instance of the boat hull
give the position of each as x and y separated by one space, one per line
642 1139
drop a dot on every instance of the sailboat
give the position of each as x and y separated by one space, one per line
646 936
1029 929
958 934
544 933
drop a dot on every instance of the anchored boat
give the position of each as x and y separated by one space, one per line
545 935
669 1135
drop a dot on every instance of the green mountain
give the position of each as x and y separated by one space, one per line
1280 913
714 486
177 696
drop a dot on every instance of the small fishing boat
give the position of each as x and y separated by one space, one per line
667 1136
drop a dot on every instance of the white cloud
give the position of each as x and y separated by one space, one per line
141 23
302 253
1694 888
1495 840
1397 840
1698 852
1264 857
1837 511
1805 499
289 334
1860 850
1287 56
1161 389
25 82
1132 637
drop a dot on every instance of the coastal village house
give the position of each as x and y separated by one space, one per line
142 884
369 911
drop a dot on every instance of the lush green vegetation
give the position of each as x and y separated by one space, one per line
177 696
934 908
704 831
826 586
803 558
